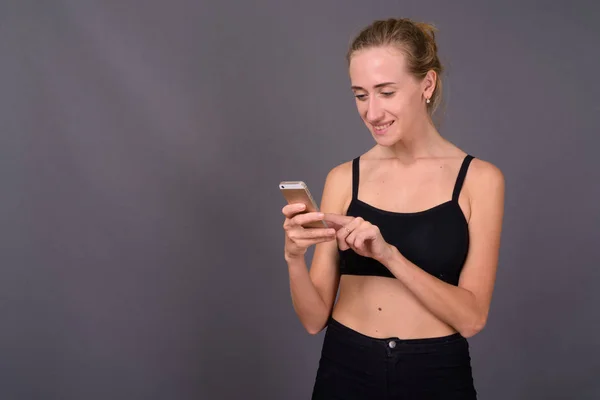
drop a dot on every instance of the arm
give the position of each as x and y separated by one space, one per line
313 292
465 307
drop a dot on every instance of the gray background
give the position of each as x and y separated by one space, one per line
141 248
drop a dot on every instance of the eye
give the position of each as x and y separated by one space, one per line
360 97
387 94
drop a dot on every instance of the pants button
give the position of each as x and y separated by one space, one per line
392 344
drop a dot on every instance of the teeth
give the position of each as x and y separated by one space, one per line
381 127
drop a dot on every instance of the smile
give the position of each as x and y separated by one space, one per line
380 128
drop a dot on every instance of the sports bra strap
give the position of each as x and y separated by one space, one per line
355 176
461 176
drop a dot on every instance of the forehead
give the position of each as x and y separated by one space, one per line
379 64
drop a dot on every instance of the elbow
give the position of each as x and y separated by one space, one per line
314 329
314 324
473 327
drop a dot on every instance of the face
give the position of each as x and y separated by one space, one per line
390 100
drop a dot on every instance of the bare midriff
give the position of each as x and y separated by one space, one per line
382 307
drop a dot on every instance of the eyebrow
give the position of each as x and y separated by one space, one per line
375 87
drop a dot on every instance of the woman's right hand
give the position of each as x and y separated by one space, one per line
298 238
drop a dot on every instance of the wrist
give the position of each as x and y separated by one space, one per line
292 259
296 267
390 253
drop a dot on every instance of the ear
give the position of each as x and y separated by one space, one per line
428 83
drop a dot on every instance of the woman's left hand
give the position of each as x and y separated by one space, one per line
359 235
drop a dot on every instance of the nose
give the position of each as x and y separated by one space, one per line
374 110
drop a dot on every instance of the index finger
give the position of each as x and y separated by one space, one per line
336 221
291 209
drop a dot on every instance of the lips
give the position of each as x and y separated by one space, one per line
382 127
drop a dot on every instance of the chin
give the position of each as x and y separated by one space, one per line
386 142
388 139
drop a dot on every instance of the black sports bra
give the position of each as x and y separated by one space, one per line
436 239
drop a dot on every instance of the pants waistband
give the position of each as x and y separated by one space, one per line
349 332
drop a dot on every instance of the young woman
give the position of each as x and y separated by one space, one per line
413 238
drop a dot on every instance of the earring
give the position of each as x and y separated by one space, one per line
428 101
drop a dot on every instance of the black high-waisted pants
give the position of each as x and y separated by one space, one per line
355 367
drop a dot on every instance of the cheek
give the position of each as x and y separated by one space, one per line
404 105
399 107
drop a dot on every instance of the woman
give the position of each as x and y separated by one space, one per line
413 238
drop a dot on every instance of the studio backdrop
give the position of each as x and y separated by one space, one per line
141 240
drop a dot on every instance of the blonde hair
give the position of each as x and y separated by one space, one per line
416 40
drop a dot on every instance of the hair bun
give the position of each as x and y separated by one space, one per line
428 29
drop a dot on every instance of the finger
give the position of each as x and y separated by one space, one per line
362 237
315 233
355 224
353 229
351 238
337 221
303 235
357 240
345 234
342 245
341 234
292 209
303 219
307 243
335 226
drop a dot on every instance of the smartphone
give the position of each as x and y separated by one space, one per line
297 192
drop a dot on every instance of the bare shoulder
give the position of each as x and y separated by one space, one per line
340 174
485 183
484 176
338 188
